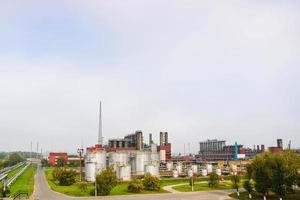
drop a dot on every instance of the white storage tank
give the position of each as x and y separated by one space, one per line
218 172
203 172
118 159
152 169
124 172
162 156
140 163
90 170
175 173
179 168
169 166
100 158
234 168
190 173
209 168
195 169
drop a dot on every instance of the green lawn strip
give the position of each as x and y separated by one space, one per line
24 182
15 171
255 196
73 190
203 187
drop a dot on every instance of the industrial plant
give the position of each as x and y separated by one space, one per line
130 157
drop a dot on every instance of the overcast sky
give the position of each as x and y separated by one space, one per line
197 69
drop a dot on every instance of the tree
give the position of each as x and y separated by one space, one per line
64 176
235 180
45 163
151 182
248 186
278 173
292 164
261 174
106 181
61 162
15 158
135 186
213 180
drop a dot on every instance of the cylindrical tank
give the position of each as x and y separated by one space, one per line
203 172
190 173
124 172
209 168
118 159
234 168
162 156
100 158
175 173
218 172
169 166
139 162
90 170
179 168
152 169
195 169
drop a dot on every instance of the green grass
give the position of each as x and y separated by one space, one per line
25 182
72 190
244 196
203 187
15 171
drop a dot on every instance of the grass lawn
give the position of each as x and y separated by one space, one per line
203 187
13 172
25 182
244 196
72 190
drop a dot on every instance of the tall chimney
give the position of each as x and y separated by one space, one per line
100 138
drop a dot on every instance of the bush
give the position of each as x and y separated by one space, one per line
5 193
64 176
82 186
151 182
106 181
135 186
213 180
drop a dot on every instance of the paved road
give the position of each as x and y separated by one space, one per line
43 192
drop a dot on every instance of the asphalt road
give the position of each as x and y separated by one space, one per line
43 192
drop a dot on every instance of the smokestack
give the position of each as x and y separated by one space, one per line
150 139
262 148
100 138
257 147
279 143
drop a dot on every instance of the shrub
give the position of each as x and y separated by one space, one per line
5 193
106 181
213 180
151 182
64 176
192 182
82 186
135 186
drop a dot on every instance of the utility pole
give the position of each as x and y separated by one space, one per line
80 152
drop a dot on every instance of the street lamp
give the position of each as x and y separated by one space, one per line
80 152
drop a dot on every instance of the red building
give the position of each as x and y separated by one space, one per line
53 157
167 148
275 149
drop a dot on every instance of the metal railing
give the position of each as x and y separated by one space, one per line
11 180
5 171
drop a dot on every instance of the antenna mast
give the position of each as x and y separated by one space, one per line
100 138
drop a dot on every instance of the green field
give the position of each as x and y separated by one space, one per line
203 186
244 196
25 182
72 190
15 171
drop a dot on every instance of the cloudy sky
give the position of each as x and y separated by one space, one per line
197 69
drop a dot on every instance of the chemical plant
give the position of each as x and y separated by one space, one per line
130 157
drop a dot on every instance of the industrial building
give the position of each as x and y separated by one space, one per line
129 156
217 150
